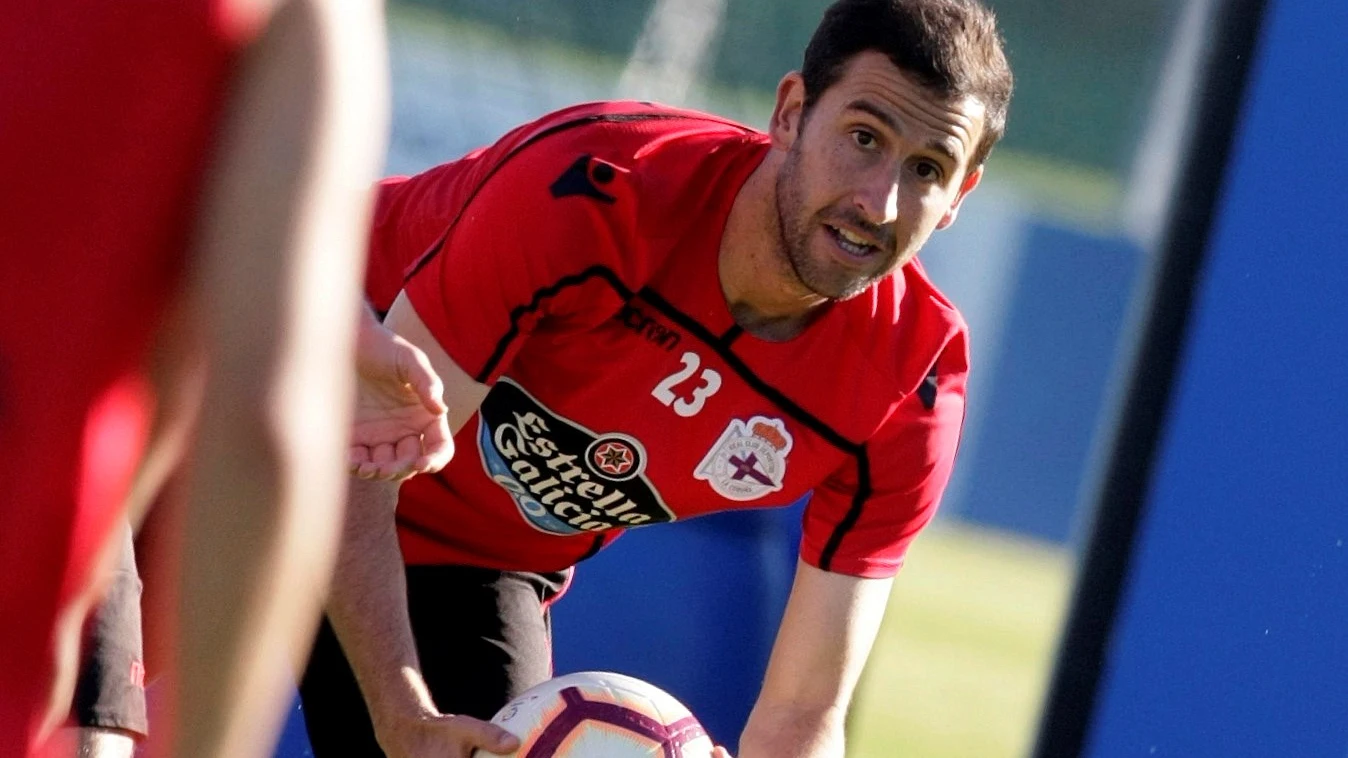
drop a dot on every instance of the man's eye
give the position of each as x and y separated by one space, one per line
928 171
863 138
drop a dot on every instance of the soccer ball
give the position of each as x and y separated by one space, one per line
601 715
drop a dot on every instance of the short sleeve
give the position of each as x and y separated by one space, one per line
545 242
864 517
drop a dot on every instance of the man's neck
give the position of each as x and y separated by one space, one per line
764 295
771 328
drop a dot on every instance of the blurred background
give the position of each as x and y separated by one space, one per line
1049 262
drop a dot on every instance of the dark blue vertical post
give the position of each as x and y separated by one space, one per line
1212 614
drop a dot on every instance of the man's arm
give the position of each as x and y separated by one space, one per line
368 604
832 618
826 634
274 291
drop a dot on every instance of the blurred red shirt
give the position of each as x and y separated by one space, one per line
109 113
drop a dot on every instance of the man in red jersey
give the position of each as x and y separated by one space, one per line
182 185
644 314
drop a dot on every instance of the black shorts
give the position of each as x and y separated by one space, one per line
482 636
110 692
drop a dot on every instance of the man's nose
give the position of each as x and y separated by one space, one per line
878 198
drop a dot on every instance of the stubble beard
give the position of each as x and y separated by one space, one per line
794 227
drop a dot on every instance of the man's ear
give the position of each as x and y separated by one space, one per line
970 182
788 112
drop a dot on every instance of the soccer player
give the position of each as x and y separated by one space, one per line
183 183
644 314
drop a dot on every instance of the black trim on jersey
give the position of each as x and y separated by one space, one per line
596 118
853 514
688 323
731 334
599 543
602 272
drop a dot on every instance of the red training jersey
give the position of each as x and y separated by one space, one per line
572 266
109 112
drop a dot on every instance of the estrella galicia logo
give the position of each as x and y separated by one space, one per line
564 478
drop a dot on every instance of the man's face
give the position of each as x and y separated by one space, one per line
876 166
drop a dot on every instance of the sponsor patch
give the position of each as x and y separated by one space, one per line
564 478
749 460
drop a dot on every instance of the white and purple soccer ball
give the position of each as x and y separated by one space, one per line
596 714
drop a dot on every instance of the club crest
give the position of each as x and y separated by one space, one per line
749 460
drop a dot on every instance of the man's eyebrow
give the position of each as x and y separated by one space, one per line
876 112
883 116
943 147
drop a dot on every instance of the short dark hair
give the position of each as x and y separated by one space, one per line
951 46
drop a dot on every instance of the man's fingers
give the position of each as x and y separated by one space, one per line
418 374
367 470
383 454
359 463
356 455
720 752
409 456
405 455
485 735
437 447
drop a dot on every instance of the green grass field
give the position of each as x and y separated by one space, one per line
967 647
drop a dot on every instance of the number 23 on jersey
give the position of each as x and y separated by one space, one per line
687 389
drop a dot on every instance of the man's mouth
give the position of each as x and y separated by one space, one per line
851 243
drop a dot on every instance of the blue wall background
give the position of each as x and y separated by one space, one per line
1023 468
1233 634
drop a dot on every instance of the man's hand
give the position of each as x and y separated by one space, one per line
432 735
400 426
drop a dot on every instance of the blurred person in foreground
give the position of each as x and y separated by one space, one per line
185 185
641 314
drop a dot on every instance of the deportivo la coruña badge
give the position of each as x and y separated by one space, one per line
749 460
